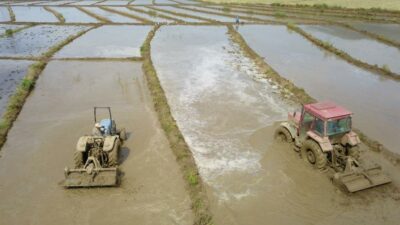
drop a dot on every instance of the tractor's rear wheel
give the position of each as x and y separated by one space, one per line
283 135
114 154
354 151
313 154
78 159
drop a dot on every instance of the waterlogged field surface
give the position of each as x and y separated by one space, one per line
374 99
107 41
220 9
357 45
151 191
142 15
187 2
164 2
11 74
116 18
55 2
142 2
202 15
186 19
113 2
226 113
390 31
33 14
74 15
4 15
85 2
5 27
36 40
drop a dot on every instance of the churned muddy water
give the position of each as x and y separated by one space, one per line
107 41
116 18
374 99
358 45
42 141
73 15
32 14
390 31
11 74
227 113
36 40
4 14
151 18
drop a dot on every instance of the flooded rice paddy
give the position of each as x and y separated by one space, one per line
73 15
4 15
36 40
227 112
11 74
107 42
113 17
198 14
145 16
358 46
151 191
113 2
390 31
5 27
374 100
33 14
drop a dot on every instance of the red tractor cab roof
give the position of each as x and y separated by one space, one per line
327 110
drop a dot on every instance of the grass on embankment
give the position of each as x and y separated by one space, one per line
298 94
184 157
11 13
27 84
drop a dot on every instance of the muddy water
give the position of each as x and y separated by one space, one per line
186 19
226 113
4 15
11 74
107 41
36 40
390 31
116 18
142 15
33 14
73 15
152 190
5 27
199 14
358 45
374 100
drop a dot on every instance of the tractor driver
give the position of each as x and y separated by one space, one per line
98 130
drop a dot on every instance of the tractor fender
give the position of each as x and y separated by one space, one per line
351 139
109 142
323 142
292 130
82 142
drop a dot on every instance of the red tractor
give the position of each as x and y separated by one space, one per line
323 133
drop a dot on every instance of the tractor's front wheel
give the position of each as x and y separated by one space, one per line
354 151
113 154
78 159
312 152
283 135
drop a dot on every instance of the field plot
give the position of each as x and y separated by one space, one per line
198 14
11 74
24 3
33 14
85 2
116 18
222 9
152 18
104 43
142 2
186 2
5 27
358 46
55 2
153 10
374 100
164 2
4 15
151 190
390 31
36 40
113 2
73 15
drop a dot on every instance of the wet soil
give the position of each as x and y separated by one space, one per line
357 45
228 113
73 15
116 18
44 136
374 100
36 40
11 74
107 42
33 14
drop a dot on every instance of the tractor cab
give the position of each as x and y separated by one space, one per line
108 124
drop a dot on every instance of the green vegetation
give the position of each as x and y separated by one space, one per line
9 32
11 12
280 15
226 9
184 157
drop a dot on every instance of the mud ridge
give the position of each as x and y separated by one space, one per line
11 12
99 18
27 84
59 16
145 21
299 95
158 15
184 157
16 30
182 14
329 47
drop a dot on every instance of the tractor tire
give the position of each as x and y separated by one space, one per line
113 155
312 153
354 151
283 135
78 159
122 135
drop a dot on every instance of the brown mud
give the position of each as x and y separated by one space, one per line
43 139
